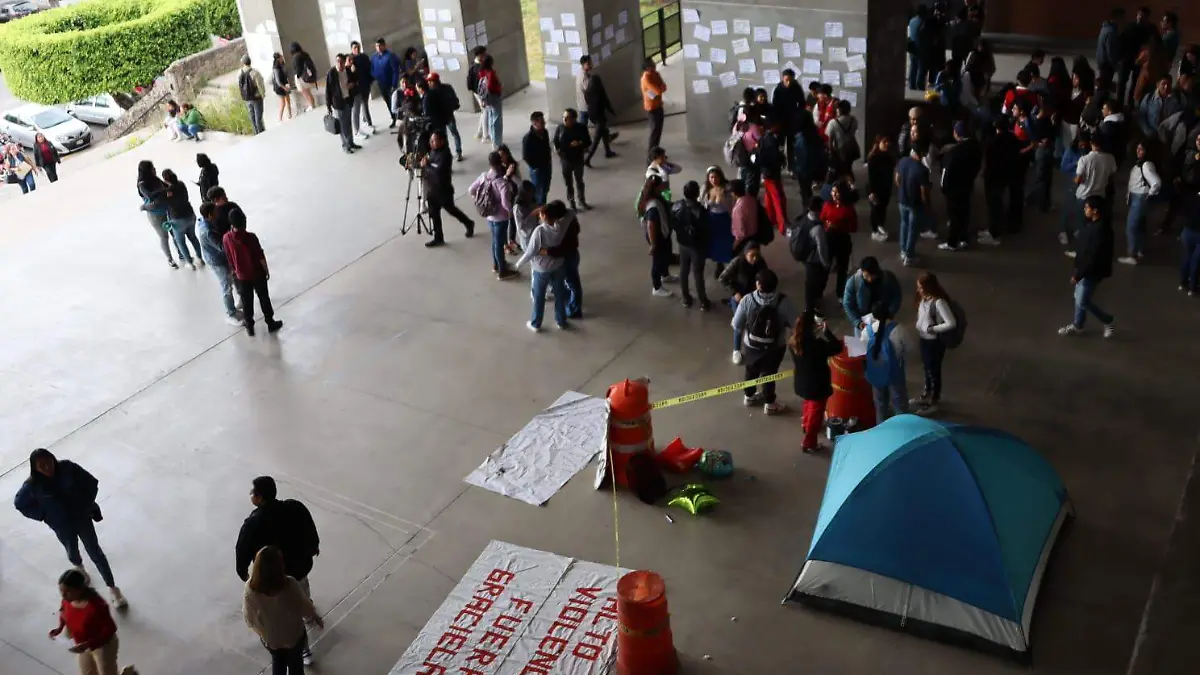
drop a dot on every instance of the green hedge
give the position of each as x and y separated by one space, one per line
103 46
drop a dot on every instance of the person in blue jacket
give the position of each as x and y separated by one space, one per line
870 286
1069 165
385 70
62 494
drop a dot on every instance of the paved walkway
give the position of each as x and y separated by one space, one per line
399 369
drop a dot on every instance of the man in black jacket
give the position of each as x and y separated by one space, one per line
690 221
1093 256
285 524
1130 42
439 189
1001 154
535 150
477 54
960 166
571 142
220 222
788 103
359 65
595 97
338 101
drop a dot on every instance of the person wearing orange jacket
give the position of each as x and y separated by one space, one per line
653 89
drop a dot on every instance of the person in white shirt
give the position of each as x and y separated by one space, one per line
1144 183
275 607
1093 178
934 318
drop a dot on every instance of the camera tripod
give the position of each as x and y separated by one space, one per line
416 175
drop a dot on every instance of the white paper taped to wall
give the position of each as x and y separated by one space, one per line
704 68
740 46
621 39
691 51
453 65
448 33
856 62
437 63
551 49
812 67
430 15
445 16
576 69
814 46
741 27
568 20
702 33
690 16
551 71
770 56
762 33
700 86
771 77
837 54
472 43
458 48
430 32
575 53
623 18
572 37
785 32
852 80
556 36
469 30
597 21
831 77
791 50
833 29
431 49
720 27
729 79
608 32
850 96
444 46
606 51
596 38
716 55
480 27
545 23
857 45
747 67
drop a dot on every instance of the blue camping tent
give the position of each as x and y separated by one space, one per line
937 528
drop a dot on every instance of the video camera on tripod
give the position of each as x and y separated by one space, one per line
413 139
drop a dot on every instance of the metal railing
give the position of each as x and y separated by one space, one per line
662 31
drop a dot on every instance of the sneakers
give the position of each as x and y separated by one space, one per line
986 239
661 293
929 234
947 246
171 264
1062 238
908 260
705 305
1109 329
774 408
192 265
306 656
530 326
506 275
1069 254
1128 260
687 303
118 600
918 401
1069 329
751 401
736 358
925 409
879 235
200 261
233 320
671 279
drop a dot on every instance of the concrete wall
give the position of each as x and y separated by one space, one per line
611 32
270 27
392 20
708 113
1077 19
495 24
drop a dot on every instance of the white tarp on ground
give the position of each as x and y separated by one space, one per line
520 611
543 456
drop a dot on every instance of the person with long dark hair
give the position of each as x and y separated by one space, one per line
881 167
1144 184
812 345
275 607
281 84
89 623
656 225
153 192
62 494
182 218
935 317
718 198
210 176
45 157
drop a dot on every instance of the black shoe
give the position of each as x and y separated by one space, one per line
588 164
610 154
355 146
348 151
250 330
172 264
460 157
470 230
571 204
433 243
687 303
392 125
274 326
576 315
705 305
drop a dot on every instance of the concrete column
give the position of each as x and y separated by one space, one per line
451 29
365 21
270 26
611 32
832 40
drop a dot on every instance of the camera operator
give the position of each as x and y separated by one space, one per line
440 101
439 190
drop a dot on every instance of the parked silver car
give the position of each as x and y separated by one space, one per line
99 109
15 9
66 133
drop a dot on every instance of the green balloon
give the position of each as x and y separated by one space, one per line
694 498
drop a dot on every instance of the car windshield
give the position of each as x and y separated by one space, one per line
50 117
24 7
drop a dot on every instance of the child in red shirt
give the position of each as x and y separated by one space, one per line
86 618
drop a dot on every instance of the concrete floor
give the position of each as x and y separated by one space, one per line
400 369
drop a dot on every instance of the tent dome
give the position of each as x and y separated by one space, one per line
939 528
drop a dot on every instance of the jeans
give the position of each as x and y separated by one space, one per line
896 393
691 263
1043 177
574 284
737 334
1135 224
85 531
361 110
157 223
343 115
225 278
255 108
495 124
911 218
452 129
1189 265
499 238
246 291
759 364
812 418
933 352
540 177
841 247
385 93
184 230
656 130
573 176
1084 290
190 130
916 73
288 660
556 279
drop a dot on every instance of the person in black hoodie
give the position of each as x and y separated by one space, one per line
812 345
359 66
1093 256
788 103
439 188
338 99
809 244
570 143
881 169
1000 156
960 166
210 176
690 220
535 150
285 524
598 108
182 217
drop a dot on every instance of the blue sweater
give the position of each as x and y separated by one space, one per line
858 298
385 68
1070 160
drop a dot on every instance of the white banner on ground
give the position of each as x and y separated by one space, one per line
540 459
520 611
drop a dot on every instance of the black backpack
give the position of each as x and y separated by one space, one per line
801 242
766 229
764 326
953 338
247 88
686 224
848 150
451 97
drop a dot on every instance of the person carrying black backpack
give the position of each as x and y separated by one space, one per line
690 219
809 245
251 87
763 317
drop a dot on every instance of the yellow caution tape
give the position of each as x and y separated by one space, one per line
721 391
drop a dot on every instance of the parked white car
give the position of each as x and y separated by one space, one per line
100 109
66 133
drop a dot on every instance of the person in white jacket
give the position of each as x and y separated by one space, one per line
934 318
1144 183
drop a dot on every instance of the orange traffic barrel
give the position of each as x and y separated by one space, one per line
851 391
629 428
644 642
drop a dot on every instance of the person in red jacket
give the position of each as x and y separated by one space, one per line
841 221
89 623
250 272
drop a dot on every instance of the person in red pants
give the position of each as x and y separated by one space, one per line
812 345
770 157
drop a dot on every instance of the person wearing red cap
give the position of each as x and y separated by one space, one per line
439 105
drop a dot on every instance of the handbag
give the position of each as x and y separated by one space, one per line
22 170
332 124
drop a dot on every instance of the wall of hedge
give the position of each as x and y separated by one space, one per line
100 46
